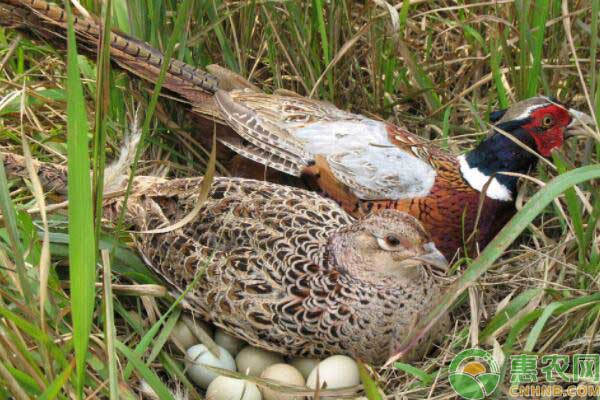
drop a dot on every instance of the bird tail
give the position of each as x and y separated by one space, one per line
190 85
40 18
53 177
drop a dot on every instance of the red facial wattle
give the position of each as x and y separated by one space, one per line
549 140
553 136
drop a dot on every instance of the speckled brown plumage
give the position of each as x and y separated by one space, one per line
362 163
282 268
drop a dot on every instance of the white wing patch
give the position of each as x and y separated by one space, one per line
362 157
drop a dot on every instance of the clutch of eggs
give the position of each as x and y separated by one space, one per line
334 372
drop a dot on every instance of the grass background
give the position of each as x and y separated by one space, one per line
437 67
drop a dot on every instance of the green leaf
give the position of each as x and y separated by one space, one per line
144 372
54 388
557 306
82 251
371 389
421 375
503 316
540 16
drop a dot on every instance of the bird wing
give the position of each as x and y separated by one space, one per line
374 160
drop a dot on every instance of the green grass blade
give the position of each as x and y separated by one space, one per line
371 389
494 249
9 381
522 8
540 16
102 112
110 332
145 372
164 335
549 310
10 220
228 53
446 127
54 388
423 80
495 64
183 14
574 208
594 44
518 328
82 251
404 14
26 381
319 11
34 332
103 106
513 308
424 377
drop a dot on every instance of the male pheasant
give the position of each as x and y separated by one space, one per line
282 268
369 165
364 164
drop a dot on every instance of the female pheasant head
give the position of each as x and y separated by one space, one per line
387 243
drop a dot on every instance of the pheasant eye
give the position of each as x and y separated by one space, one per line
389 242
392 240
547 121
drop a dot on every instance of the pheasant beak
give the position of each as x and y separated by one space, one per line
580 124
433 257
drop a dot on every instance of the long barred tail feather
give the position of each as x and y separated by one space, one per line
40 18
190 85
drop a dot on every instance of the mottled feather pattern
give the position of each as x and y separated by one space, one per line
270 280
262 134
358 150
269 272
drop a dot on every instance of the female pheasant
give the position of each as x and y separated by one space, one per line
364 164
282 268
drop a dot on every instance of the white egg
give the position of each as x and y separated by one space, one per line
253 361
182 335
198 355
225 388
287 375
196 325
304 365
186 332
334 372
231 343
